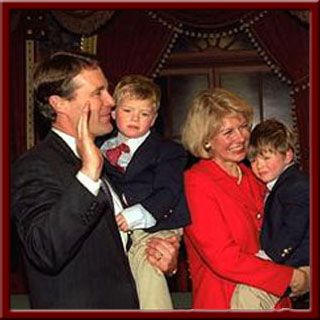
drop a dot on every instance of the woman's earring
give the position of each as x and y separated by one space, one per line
207 146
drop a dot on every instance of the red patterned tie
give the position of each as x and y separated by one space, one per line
114 154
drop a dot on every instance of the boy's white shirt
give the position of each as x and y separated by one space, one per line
93 186
136 216
261 253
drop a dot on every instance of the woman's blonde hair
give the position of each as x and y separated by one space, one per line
205 116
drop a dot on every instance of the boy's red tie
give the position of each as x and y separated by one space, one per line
114 154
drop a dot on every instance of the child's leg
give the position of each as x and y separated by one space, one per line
249 298
152 287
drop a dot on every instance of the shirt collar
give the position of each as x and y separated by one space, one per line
133 143
271 184
69 140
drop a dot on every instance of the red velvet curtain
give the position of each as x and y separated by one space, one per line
286 42
132 42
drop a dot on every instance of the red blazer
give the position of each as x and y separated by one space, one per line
223 237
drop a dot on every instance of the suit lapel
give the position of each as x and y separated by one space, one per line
283 177
60 145
281 181
144 155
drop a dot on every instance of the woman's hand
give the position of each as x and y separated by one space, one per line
163 253
299 283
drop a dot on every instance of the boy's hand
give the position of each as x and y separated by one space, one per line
122 223
92 160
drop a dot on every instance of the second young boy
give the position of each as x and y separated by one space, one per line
284 235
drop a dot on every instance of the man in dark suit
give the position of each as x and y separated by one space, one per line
63 206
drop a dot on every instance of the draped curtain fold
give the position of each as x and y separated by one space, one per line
132 43
287 43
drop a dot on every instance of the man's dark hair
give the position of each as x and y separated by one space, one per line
54 76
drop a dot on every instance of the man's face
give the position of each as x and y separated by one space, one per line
92 89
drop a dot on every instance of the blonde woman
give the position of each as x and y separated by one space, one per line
226 206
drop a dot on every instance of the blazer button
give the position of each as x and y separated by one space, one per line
283 255
258 215
165 216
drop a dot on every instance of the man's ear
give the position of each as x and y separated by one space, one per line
56 102
289 156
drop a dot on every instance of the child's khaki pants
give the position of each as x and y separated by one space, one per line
152 287
250 298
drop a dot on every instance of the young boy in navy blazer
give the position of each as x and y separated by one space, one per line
148 172
284 235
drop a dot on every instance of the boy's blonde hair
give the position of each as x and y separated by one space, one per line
270 136
205 117
137 87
